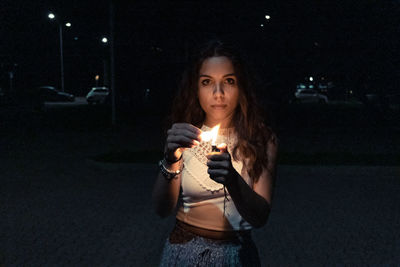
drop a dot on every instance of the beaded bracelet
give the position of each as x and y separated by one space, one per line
168 174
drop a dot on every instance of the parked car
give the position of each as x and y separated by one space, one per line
98 95
52 94
309 96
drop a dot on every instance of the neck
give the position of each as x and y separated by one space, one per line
223 124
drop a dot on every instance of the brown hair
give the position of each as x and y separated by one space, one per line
252 132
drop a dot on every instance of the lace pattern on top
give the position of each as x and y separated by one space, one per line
196 161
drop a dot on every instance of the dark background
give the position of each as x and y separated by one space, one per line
348 42
75 188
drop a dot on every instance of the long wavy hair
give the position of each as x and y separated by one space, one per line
249 123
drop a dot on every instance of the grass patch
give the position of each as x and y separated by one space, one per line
345 158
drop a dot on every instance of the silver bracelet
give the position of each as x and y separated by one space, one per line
167 173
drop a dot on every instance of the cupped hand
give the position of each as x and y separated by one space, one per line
220 166
179 137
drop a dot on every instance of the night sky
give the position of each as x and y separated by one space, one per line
343 40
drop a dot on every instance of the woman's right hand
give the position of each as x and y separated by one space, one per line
179 137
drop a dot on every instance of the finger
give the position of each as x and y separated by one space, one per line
222 148
187 126
218 156
184 132
189 134
180 140
218 164
217 172
174 146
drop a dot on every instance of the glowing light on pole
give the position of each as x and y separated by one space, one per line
51 16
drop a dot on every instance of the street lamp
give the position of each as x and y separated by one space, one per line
51 16
104 40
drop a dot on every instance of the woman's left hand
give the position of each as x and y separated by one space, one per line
220 166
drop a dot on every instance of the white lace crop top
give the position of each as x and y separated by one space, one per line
201 200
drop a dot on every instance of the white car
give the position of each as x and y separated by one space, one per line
309 96
97 95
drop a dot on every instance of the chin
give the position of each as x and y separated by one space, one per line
222 120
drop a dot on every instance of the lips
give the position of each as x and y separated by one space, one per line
219 106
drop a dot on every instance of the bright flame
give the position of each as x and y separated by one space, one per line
210 135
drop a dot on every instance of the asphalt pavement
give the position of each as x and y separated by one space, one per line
59 207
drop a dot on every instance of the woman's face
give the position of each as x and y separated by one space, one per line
218 91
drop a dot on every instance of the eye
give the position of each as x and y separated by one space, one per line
230 81
206 82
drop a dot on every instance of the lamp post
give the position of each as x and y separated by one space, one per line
68 24
106 82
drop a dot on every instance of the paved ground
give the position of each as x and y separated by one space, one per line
58 208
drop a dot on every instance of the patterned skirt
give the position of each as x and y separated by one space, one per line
183 248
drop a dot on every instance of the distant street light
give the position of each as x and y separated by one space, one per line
311 79
262 25
267 17
51 16
104 40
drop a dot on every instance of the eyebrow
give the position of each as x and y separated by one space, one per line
226 75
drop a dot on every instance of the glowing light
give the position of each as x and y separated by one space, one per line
68 24
104 40
262 25
97 77
51 16
311 79
210 135
267 17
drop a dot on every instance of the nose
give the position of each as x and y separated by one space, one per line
218 89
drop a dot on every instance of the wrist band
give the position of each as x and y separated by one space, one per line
168 174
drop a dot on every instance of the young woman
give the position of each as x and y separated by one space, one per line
219 196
